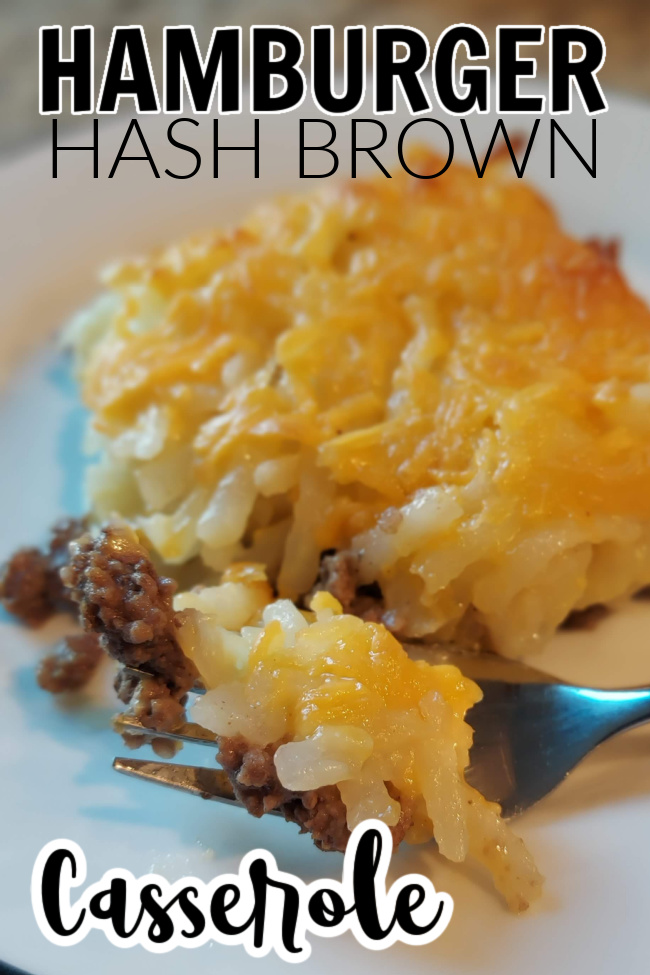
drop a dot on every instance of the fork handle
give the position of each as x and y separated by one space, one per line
620 709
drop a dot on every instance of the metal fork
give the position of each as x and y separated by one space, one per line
530 731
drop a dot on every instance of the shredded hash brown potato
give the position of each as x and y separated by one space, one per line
429 373
350 708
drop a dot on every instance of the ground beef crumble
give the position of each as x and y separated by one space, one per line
339 575
71 665
321 812
30 585
122 598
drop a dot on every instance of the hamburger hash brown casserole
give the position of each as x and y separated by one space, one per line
390 411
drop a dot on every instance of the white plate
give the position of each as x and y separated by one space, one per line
590 838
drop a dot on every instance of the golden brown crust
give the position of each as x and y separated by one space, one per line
608 249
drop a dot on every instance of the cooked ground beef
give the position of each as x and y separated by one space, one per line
122 598
321 812
126 608
339 575
151 700
30 586
71 665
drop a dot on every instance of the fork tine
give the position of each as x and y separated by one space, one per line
206 783
189 732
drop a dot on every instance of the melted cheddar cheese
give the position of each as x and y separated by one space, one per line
388 326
